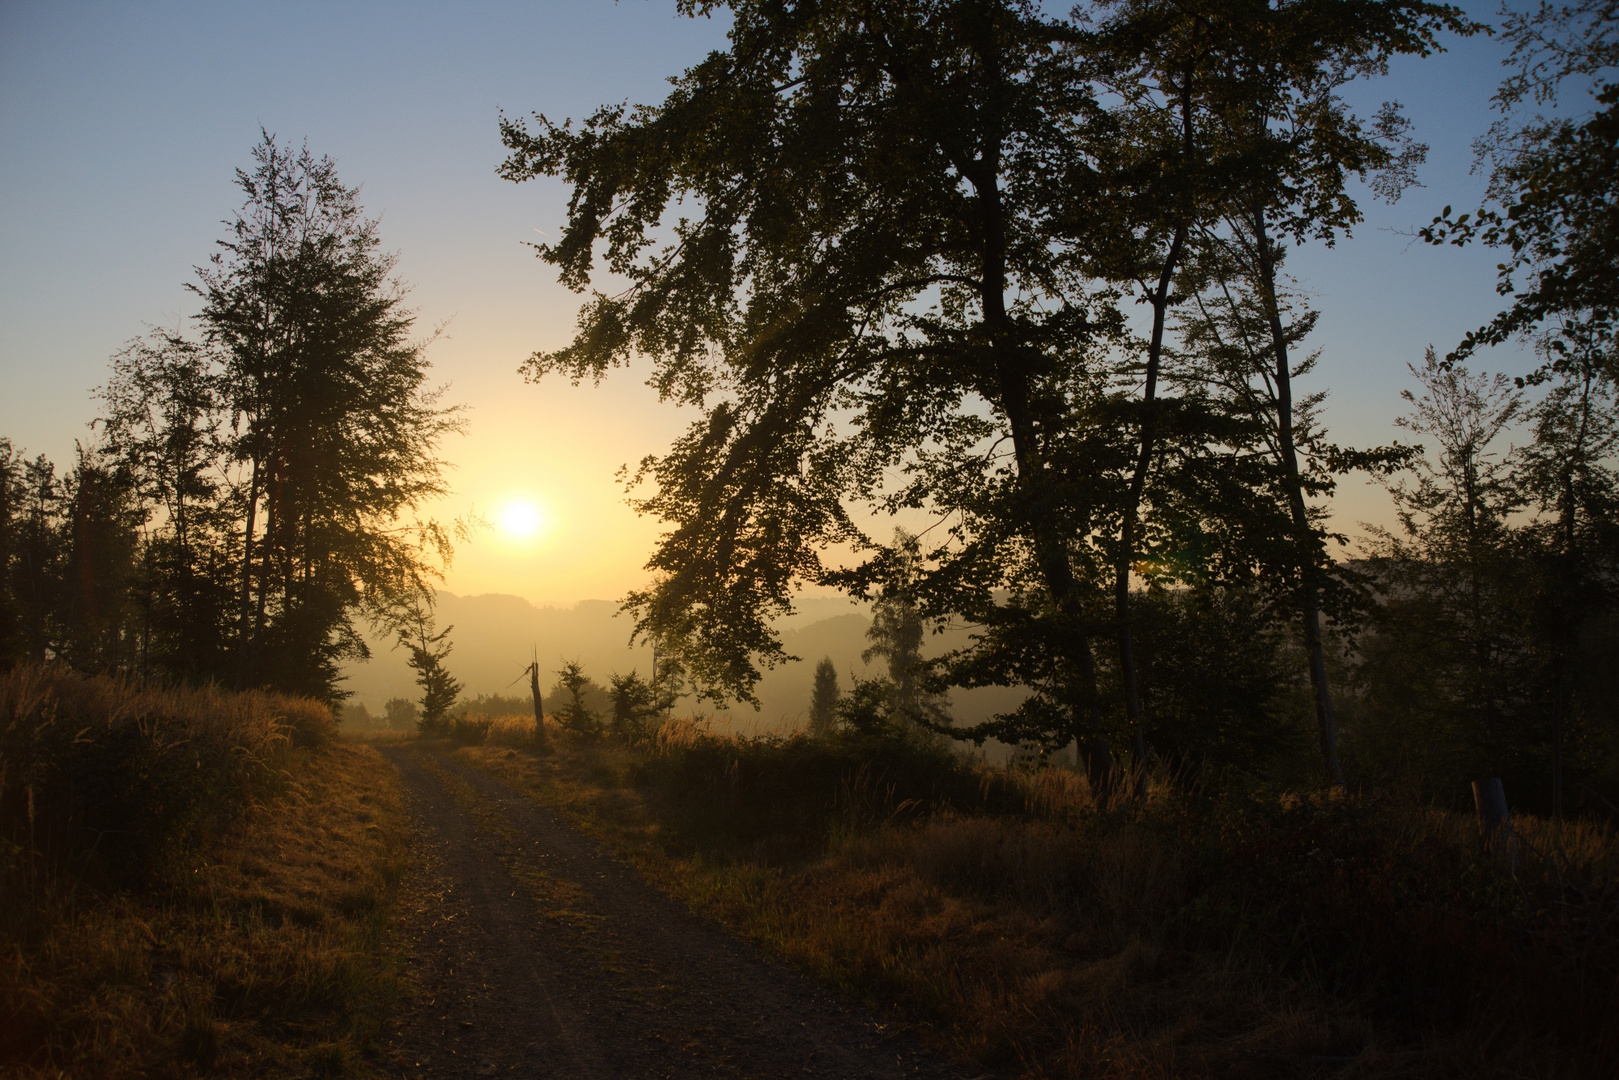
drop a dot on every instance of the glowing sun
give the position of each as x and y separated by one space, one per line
520 519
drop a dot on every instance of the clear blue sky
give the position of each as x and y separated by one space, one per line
121 125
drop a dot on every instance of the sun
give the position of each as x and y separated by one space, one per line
520 519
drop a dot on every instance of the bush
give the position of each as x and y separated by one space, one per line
787 795
470 731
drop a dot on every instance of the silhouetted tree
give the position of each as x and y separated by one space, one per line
1552 205
163 421
896 634
332 419
879 244
14 643
1279 108
400 713
899 213
634 705
576 713
823 711
439 688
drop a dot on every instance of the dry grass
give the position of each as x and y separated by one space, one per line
242 933
264 958
1182 936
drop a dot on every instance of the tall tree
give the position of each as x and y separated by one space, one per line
1278 107
1442 673
1568 474
163 422
875 187
896 633
332 418
1157 58
14 644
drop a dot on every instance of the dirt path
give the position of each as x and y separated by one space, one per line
535 953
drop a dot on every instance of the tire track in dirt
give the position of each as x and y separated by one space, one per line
533 952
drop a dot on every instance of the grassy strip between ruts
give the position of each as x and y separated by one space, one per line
260 952
1033 936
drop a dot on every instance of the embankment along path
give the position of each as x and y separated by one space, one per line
533 952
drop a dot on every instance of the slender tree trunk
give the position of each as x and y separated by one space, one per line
1133 713
539 712
272 526
1304 536
244 626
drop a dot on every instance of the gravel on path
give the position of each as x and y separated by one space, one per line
533 952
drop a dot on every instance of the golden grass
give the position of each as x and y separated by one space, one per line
260 952
1172 938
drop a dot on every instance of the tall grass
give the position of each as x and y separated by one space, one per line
1191 932
190 880
103 778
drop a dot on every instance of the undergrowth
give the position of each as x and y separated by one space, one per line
1188 933
195 881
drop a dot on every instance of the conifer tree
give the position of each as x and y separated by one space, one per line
426 657
823 711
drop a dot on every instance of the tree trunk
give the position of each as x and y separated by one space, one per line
539 713
244 624
1012 379
1133 713
1303 536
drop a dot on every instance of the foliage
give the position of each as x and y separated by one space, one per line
439 688
896 637
578 714
824 697
1216 671
165 426
636 705
1550 206
898 286
401 713
1488 653
249 495
330 415
69 575
799 292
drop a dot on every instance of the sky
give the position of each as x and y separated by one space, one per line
121 126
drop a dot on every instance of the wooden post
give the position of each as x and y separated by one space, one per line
1494 821
540 740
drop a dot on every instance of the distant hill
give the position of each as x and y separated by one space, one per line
494 633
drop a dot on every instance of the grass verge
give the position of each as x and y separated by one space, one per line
1185 935
247 939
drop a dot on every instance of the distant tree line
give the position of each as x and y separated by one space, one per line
252 491
1026 273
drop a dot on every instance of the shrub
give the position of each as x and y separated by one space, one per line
470 731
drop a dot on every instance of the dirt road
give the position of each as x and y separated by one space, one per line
532 952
